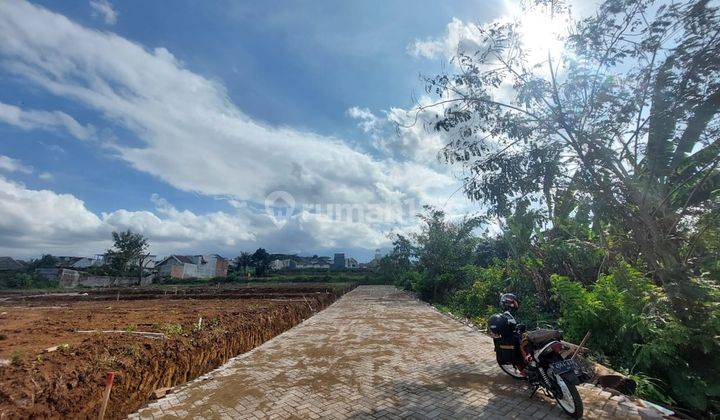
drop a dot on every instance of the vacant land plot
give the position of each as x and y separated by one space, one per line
58 348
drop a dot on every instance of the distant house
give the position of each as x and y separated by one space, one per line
341 261
351 263
212 265
294 262
279 264
76 262
105 259
10 264
64 276
177 267
193 266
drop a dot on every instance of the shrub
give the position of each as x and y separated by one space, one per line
633 327
22 280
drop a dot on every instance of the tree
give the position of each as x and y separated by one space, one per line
130 251
626 118
437 251
46 261
261 261
244 261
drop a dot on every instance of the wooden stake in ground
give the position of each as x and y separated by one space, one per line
106 395
582 343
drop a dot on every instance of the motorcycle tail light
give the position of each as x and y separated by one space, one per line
557 347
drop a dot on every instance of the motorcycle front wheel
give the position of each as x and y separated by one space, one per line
569 401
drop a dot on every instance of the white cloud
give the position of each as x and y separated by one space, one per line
368 120
43 221
45 120
45 176
193 137
459 37
9 164
103 9
403 134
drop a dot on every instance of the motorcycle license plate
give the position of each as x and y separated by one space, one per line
564 366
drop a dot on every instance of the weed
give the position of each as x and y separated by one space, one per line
16 357
106 360
170 329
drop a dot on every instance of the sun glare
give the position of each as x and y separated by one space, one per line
542 31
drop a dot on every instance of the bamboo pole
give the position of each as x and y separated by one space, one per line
106 396
582 343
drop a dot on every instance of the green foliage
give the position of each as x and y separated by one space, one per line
170 329
633 326
46 261
261 261
129 255
601 164
25 280
244 261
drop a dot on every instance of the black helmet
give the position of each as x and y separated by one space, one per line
509 302
498 326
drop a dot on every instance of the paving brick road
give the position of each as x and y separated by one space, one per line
375 353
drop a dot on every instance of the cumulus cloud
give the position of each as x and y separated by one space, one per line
403 134
103 9
194 138
34 221
9 164
216 148
459 37
45 120
368 120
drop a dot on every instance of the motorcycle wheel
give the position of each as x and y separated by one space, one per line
570 401
511 370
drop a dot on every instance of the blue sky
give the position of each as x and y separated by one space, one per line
177 119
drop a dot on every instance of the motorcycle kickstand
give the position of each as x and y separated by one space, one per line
535 388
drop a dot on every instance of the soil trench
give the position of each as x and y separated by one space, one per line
204 328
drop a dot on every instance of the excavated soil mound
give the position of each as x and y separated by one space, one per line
202 331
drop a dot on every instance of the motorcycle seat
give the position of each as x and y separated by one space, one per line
541 337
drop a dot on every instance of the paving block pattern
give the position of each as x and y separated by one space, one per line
376 353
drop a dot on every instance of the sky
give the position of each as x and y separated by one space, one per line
221 127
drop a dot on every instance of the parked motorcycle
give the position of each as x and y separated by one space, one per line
535 357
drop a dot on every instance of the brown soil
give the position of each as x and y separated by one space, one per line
69 382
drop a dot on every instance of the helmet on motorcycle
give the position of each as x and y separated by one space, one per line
500 326
509 302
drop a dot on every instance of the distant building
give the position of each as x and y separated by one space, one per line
342 262
10 264
294 262
351 263
339 261
61 275
106 259
210 266
76 262
279 264
177 267
193 266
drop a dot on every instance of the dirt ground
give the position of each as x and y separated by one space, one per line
195 330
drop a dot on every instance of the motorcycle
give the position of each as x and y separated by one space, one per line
535 357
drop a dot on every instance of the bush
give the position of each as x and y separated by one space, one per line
22 280
481 287
633 328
